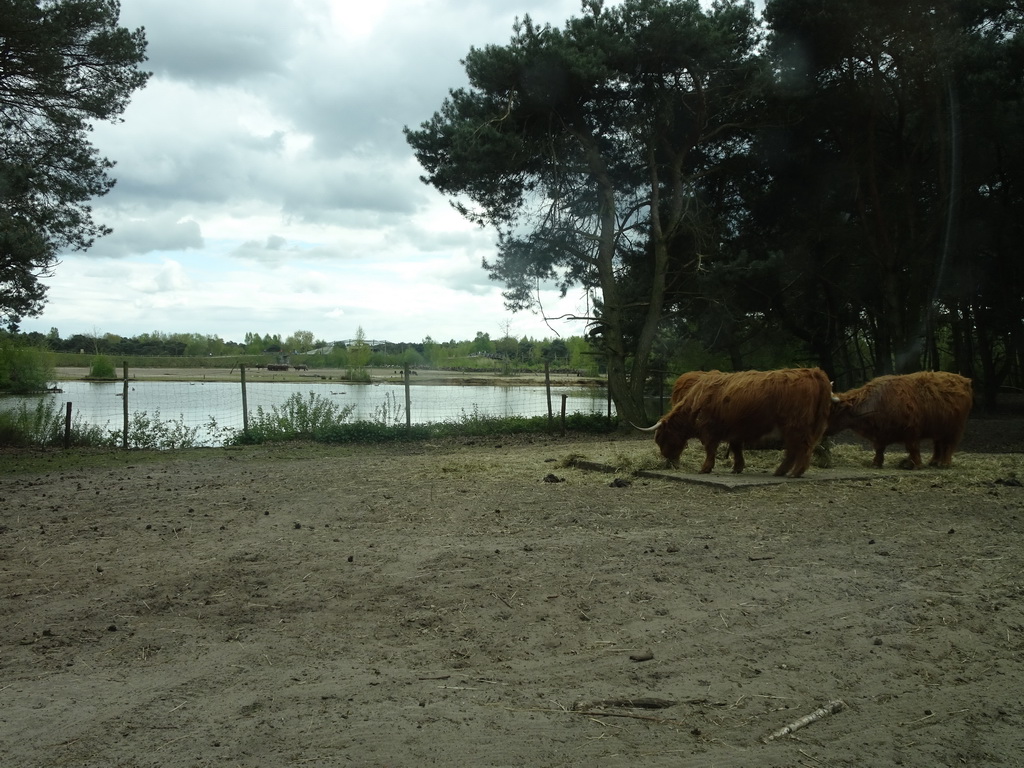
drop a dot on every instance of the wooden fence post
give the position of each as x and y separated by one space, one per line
124 397
547 388
245 404
408 399
67 426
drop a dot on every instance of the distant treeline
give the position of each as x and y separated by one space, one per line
192 350
187 350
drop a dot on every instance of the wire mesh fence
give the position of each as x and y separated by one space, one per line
203 412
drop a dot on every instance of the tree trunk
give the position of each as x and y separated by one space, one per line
627 368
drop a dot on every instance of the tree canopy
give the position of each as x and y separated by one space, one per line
582 146
834 183
64 64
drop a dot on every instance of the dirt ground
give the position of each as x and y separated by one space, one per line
481 603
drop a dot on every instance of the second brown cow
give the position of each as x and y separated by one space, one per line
738 408
906 409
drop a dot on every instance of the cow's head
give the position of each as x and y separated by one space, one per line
843 414
671 434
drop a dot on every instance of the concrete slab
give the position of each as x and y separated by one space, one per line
726 481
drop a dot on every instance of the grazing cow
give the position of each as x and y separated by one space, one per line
905 409
687 381
740 408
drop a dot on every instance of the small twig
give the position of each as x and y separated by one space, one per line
809 757
506 602
830 708
599 713
595 713
484 680
643 702
929 716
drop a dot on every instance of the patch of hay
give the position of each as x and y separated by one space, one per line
569 460
1003 469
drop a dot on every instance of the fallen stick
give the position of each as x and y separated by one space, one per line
830 708
606 713
643 702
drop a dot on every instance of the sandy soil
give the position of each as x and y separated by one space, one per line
480 603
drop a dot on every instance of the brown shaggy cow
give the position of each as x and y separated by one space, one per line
905 409
740 408
686 382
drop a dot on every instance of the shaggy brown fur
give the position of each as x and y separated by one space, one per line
906 409
743 407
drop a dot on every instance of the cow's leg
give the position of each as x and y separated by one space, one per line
914 452
794 462
948 449
879 454
710 448
796 457
738 462
949 444
788 459
942 455
801 462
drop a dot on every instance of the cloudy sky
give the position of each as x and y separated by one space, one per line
264 184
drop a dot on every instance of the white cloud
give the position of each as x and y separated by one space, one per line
164 278
133 237
264 183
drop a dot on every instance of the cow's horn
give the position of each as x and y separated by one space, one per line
648 429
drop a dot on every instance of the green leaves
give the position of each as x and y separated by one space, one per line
65 64
581 144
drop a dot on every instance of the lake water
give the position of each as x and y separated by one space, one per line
196 403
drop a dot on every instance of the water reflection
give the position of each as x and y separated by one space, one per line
198 404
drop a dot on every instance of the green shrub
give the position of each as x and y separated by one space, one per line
24 370
322 420
297 419
100 367
154 433
43 426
